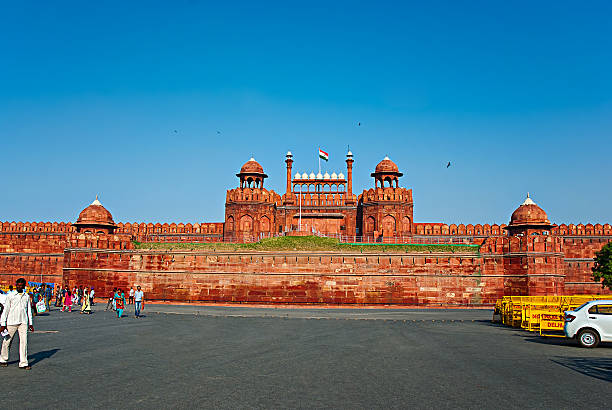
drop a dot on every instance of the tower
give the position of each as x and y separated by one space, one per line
250 208
385 211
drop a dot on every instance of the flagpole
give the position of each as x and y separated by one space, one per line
319 155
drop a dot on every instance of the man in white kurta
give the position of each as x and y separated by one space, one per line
16 317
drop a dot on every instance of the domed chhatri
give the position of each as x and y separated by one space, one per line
252 167
251 175
95 219
386 171
529 218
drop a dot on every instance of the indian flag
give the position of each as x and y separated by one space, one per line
323 155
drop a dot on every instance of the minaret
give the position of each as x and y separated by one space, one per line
349 175
289 162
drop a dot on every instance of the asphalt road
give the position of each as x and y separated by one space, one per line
300 358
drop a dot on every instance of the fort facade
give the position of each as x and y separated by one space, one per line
528 256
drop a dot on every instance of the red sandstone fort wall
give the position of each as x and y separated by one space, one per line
291 277
37 256
536 265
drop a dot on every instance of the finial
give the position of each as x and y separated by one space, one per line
528 200
96 202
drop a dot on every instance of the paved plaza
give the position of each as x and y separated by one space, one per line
243 357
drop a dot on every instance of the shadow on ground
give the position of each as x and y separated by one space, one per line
40 356
598 367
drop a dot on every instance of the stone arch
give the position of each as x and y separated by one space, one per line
230 224
406 224
264 224
246 223
370 224
388 225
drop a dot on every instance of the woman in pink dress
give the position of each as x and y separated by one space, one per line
67 302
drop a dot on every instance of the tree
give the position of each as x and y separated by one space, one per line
602 271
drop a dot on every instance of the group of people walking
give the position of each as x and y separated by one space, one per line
117 301
82 296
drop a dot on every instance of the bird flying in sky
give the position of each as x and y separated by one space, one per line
448 165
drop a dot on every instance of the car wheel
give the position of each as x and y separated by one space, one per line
588 338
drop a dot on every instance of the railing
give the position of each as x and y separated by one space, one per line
404 239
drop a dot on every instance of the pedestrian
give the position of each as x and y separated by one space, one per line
80 295
64 293
67 302
91 296
35 297
58 296
119 303
16 317
111 300
131 299
138 301
86 306
48 296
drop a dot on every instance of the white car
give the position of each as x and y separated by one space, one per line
590 323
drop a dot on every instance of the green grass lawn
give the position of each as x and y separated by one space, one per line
311 243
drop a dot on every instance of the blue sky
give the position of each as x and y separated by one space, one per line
517 95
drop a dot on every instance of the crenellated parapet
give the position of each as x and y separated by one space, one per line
387 194
36 227
442 229
583 230
241 195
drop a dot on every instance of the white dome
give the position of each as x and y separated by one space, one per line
297 175
312 175
289 154
319 176
349 154
341 176
386 158
304 176
334 176
326 176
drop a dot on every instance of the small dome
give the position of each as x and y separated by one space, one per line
251 167
349 154
319 176
289 154
95 214
334 176
304 176
326 176
312 175
297 175
386 165
528 213
341 176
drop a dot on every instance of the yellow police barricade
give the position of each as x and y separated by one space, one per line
551 322
535 312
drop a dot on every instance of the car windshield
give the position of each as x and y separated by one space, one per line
581 306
